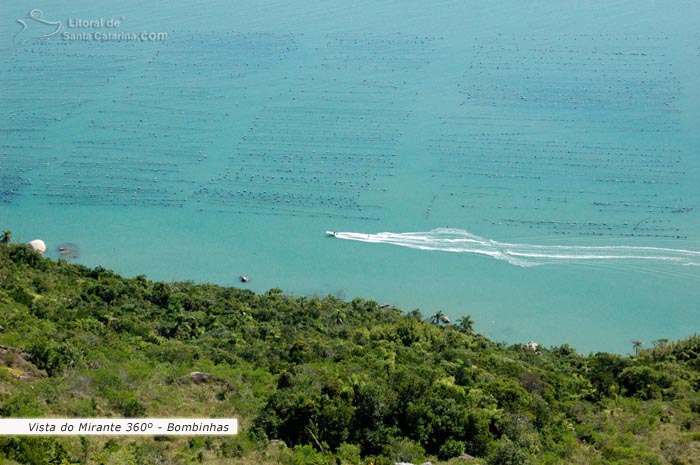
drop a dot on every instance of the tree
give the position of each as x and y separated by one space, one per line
603 372
339 316
644 382
637 345
466 324
6 237
439 317
415 314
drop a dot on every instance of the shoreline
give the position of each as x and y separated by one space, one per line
488 322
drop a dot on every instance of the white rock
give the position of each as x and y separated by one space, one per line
38 245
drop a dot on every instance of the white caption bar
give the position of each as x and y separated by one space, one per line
119 426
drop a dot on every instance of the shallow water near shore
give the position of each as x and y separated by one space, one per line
533 167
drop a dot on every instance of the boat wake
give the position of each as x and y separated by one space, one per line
460 241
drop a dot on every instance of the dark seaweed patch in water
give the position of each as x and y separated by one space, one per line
69 250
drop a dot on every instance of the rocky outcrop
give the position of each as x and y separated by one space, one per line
18 364
200 377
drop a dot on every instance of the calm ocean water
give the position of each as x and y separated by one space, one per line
533 166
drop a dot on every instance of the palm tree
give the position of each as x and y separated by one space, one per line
637 345
338 316
439 317
466 324
6 237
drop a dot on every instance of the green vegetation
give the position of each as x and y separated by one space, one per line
317 380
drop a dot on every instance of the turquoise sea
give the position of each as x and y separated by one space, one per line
532 164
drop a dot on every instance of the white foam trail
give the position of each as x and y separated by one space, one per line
460 241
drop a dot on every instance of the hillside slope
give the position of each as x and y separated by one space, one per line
317 380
